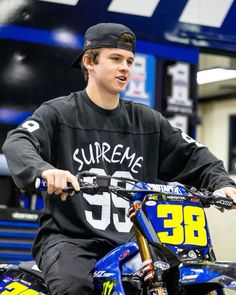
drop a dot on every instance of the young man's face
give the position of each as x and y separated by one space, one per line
113 70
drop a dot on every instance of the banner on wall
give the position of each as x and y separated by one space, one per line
176 92
141 87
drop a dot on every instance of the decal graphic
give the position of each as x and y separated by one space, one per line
65 2
200 12
104 202
192 254
150 203
162 265
182 225
102 274
104 152
190 278
124 254
141 8
31 125
190 139
107 288
16 288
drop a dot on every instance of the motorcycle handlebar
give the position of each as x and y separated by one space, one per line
102 184
92 189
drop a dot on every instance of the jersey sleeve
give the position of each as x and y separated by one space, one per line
187 161
29 147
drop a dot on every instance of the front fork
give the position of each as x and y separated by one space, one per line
155 287
154 281
216 293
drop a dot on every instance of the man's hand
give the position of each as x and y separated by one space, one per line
228 192
57 180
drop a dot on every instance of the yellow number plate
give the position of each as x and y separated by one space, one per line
16 288
182 225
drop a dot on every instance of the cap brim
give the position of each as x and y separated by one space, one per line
77 62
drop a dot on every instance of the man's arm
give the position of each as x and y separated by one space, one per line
184 160
28 148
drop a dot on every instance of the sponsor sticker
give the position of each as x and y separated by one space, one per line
107 288
123 254
150 203
190 278
102 274
162 265
192 254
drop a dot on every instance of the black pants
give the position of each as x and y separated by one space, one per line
68 267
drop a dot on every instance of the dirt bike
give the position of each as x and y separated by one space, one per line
170 253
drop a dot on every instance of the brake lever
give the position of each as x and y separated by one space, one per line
92 189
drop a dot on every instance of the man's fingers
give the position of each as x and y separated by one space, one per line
229 192
74 182
50 184
232 195
64 196
58 185
57 180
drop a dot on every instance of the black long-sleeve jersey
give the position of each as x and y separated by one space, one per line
132 140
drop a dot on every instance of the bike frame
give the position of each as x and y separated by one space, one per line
176 225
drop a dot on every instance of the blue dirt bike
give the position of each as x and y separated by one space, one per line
170 253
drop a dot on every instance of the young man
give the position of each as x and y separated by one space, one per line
96 131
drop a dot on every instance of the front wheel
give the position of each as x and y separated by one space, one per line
217 292
202 289
158 291
130 290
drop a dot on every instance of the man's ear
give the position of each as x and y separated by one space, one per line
87 62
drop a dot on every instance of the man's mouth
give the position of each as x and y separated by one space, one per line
122 78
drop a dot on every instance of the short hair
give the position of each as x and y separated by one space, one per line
93 54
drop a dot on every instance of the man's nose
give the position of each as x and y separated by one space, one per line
124 65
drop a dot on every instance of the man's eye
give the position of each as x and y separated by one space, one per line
130 62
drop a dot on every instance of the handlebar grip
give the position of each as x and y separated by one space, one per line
92 189
41 184
223 202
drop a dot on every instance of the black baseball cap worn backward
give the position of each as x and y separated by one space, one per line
105 35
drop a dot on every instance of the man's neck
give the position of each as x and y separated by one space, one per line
102 98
